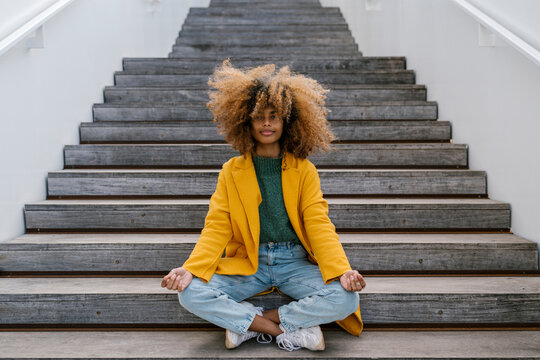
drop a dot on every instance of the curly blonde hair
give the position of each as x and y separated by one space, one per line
243 94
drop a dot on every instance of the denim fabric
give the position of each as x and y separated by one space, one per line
283 265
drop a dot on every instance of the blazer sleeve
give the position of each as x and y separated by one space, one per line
321 232
215 235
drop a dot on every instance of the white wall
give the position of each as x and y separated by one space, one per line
46 93
491 95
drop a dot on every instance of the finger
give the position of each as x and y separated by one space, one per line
176 282
170 282
349 283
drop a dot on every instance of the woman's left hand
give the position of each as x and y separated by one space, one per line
352 281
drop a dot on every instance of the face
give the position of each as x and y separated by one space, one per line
267 128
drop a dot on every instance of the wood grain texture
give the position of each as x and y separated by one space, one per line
397 345
215 155
354 78
344 213
203 182
177 95
162 252
385 300
300 65
200 131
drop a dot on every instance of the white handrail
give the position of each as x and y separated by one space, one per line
31 25
508 36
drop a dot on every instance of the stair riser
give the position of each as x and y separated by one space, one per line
363 257
204 184
281 20
369 78
274 43
191 217
236 28
248 12
175 113
207 66
120 95
268 34
210 50
165 309
383 155
269 58
208 132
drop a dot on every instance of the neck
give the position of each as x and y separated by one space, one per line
268 150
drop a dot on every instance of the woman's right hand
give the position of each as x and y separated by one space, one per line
177 279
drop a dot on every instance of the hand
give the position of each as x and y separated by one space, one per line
352 281
177 279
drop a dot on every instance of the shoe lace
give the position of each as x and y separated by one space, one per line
286 344
263 338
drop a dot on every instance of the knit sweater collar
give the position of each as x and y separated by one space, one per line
267 166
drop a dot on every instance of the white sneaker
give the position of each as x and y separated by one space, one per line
310 338
233 339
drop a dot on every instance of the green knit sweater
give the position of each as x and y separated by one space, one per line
274 220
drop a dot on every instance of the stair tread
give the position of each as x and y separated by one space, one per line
503 344
388 172
488 203
375 285
375 239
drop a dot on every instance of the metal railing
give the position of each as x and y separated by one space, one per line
33 24
512 39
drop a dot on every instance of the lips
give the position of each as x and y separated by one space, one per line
267 132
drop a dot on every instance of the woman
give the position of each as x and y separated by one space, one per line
269 216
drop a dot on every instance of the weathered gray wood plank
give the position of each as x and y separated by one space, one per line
178 95
352 214
391 110
206 131
265 27
214 155
397 345
268 41
300 65
341 182
229 11
385 300
366 252
125 78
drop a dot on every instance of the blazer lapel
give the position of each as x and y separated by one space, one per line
248 190
290 180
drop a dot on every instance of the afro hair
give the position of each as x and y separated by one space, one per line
243 94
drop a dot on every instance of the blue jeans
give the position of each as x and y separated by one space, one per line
285 266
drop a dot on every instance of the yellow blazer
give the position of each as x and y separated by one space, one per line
232 225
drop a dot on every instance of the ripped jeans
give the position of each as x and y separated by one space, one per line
282 265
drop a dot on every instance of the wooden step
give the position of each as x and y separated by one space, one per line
334 182
229 11
372 77
416 155
267 41
206 131
432 345
299 65
402 300
307 49
266 27
270 57
394 214
158 253
268 33
365 110
284 20
179 95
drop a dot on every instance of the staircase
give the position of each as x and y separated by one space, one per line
446 277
